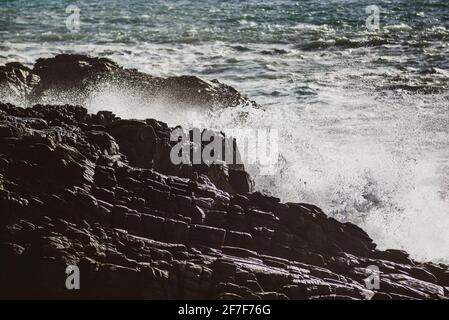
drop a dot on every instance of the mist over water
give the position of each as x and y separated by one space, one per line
363 116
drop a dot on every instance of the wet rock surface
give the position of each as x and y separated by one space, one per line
101 193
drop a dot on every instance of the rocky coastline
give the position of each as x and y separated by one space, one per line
100 193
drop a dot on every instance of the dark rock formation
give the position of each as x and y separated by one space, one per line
100 193
73 77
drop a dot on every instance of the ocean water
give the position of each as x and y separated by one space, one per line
363 115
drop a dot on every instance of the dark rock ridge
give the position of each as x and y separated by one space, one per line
72 77
100 192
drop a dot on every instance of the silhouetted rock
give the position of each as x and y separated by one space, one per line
73 77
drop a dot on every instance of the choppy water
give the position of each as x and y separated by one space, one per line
363 114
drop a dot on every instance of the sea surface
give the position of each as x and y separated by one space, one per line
363 112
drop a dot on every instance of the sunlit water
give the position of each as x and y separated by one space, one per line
363 116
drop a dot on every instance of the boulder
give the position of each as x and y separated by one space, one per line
176 231
153 226
210 236
216 218
239 239
398 256
240 181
